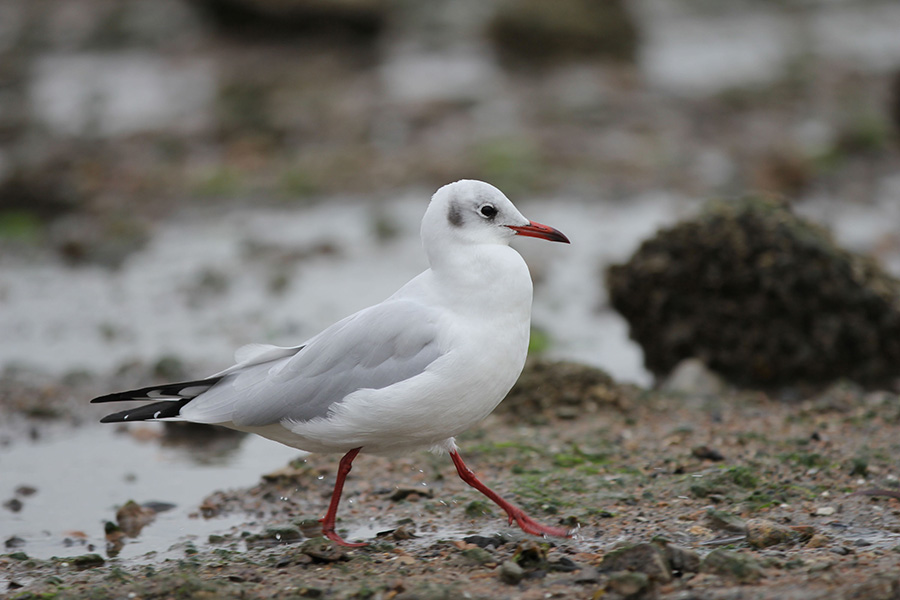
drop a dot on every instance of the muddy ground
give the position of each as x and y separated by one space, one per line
735 494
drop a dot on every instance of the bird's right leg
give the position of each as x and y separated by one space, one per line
526 523
328 520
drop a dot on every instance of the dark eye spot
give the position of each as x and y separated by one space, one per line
488 211
454 215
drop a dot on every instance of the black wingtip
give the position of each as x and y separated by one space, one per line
181 389
106 398
164 409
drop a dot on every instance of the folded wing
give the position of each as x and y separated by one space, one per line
372 349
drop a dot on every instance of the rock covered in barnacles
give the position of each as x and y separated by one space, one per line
562 389
762 296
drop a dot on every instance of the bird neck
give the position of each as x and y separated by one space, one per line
488 279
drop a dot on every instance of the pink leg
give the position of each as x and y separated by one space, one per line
329 518
515 513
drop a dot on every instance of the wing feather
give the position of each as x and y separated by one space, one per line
372 349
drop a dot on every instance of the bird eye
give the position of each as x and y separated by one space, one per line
488 211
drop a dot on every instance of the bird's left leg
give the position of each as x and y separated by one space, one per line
515 513
328 521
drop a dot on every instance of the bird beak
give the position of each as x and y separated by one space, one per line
538 230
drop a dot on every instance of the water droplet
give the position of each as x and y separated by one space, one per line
320 477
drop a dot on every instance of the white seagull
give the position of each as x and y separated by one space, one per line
412 372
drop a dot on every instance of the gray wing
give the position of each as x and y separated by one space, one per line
372 349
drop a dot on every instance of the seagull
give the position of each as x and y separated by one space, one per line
409 373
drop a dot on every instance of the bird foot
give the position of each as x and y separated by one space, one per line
334 537
529 525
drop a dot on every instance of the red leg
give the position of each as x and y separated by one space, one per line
329 518
515 513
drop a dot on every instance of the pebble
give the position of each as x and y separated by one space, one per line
86 561
825 511
563 565
510 573
681 560
310 527
706 453
322 550
275 534
628 584
586 575
732 565
478 556
645 558
530 555
692 377
724 521
482 541
158 507
411 494
133 517
762 533
404 532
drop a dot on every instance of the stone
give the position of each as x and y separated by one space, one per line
692 377
510 573
275 534
629 584
762 533
762 296
680 560
478 556
720 520
530 555
704 452
132 518
645 558
323 550
545 386
732 565
86 561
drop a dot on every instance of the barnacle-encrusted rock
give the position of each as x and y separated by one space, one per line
762 296
562 389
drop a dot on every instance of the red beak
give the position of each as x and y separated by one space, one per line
538 230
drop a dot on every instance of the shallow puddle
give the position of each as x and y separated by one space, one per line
82 475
